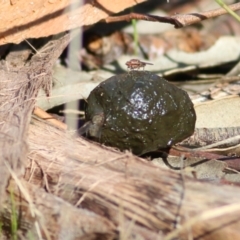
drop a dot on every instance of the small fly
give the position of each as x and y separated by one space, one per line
136 64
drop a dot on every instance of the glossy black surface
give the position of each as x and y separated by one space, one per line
139 111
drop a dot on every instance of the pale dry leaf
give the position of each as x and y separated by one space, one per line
220 113
216 115
70 85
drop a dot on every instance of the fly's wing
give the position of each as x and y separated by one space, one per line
148 63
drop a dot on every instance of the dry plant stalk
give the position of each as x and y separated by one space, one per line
46 116
109 182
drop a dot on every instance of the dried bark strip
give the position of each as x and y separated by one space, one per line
109 183
19 88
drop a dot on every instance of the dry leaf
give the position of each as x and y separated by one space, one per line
221 113
217 127
38 18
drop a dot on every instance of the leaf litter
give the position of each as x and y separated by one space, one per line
210 164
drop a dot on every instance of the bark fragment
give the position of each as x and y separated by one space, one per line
19 88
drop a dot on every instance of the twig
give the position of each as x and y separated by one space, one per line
45 116
223 5
231 161
178 20
179 150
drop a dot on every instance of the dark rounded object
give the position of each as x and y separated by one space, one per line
139 111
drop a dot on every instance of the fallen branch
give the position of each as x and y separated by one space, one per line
128 190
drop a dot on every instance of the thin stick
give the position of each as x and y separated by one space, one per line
223 5
178 20
45 116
